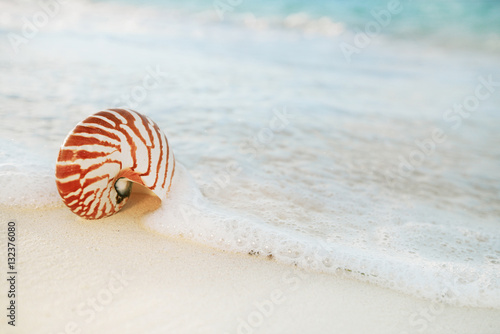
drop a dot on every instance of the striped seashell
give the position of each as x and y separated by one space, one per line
107 152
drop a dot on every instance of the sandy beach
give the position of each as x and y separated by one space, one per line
114 276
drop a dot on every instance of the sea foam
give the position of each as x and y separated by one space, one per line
26 178
415 257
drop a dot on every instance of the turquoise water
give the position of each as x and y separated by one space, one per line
386 167
452 23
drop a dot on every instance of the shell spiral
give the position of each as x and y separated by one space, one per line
107 152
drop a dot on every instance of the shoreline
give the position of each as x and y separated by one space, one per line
114 276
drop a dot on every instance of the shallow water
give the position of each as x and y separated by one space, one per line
361 167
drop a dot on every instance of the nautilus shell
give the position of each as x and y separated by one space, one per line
107 152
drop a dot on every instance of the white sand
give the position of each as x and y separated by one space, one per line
113 276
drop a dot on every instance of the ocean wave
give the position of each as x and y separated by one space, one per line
455 264
106 17
401 257
27 178
90 17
